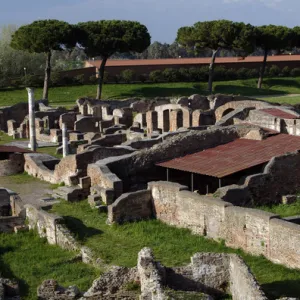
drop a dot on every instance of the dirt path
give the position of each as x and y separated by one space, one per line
31 190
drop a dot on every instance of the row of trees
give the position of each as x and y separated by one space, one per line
241 38
98 38
107 39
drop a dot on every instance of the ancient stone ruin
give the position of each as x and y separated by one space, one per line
202 163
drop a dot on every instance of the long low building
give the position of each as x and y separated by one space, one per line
145 66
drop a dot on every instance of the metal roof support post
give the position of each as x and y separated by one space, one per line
192 182
168 174
220 182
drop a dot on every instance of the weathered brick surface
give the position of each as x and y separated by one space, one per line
131 207
280 177
255 231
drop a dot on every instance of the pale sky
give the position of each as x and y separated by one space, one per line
162 17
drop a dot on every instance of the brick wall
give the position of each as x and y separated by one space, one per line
255 231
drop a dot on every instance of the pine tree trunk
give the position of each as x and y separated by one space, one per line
211 70
101 76
47 76
262 70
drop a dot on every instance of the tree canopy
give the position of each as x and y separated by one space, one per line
107 37
44 36
217 35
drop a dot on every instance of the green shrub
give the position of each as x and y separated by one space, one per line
184 74
55 79
93 79
274 71
286 71
220 73
33 80
105 77
128 75
117 78
253 73
231 74
295 72
242 73
170 75
199 74
143 77
80 79
156 76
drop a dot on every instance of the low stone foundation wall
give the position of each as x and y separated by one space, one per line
131 207
13 165
210 273
255 231
130 169
36 167
51 227
280 177
7 224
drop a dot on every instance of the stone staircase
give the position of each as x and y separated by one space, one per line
71 193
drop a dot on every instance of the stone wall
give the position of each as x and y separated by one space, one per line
233 105
255 231
175 205
51 227
131 207
214 274
280 177
243 285
70 165
13 165
16 112
140 166
7 224
35 165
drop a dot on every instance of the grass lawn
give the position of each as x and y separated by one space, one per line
119 245
5 139
283 100
66 96
30 260
284 210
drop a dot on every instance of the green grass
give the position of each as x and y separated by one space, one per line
66 96
284 210
284 100
23 178
5 139
50 151
119 245
30 260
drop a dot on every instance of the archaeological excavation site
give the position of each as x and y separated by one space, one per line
151 199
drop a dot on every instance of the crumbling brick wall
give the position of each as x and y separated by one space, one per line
280 177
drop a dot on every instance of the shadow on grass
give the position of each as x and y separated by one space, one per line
6 272
282 82
284 288
77 227
154 91
245 90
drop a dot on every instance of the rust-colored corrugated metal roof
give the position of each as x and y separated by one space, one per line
236 156
191 61
12 149
279 113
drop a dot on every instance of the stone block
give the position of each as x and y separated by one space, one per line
94 200
85 182
20 228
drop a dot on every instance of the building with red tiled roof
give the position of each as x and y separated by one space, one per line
145 66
